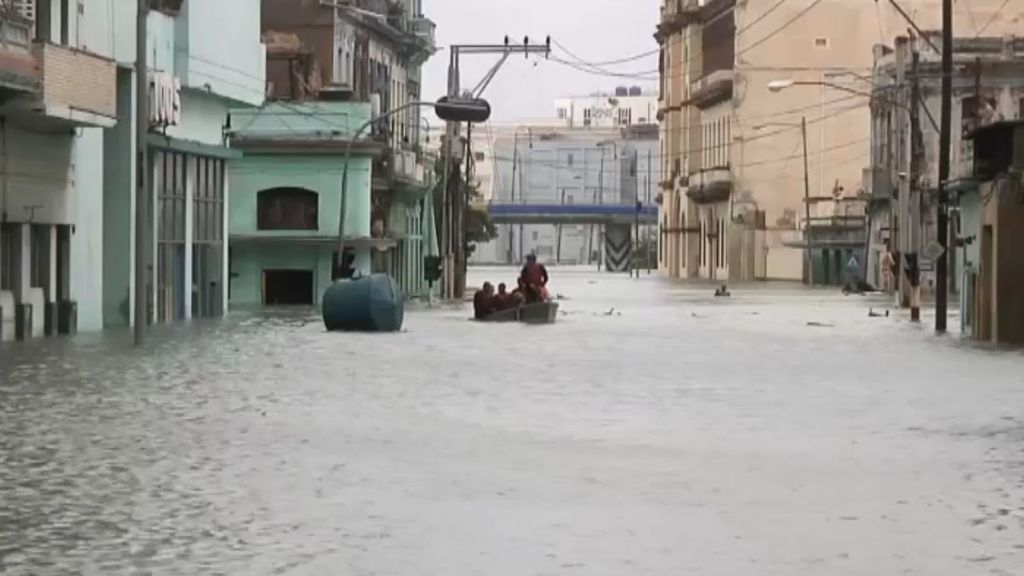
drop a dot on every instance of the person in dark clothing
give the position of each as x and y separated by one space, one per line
534 279
483 302
503 300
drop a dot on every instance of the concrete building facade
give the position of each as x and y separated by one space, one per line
990 231
331 68
547 163
734 204
988 87
69 164
625 106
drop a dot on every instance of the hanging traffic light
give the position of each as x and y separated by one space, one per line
473 110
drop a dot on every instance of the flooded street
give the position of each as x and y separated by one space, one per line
653 430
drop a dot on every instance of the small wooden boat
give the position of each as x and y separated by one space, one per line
537 313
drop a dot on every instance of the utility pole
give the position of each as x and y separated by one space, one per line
647 236
512 227
558 243
809 262
945 141
636 217
454 217
142 176
600 200
916 153
461 249
522 200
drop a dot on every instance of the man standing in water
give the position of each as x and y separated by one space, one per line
534 277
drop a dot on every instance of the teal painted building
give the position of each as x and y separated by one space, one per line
204 59
68 165
285 206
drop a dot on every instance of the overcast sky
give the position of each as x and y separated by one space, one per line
595 30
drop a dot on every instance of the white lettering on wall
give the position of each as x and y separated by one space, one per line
164 99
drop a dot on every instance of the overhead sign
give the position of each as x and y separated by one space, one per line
164 99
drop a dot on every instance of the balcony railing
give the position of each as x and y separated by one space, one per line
17 64
408 167
424 28
712 89
15 31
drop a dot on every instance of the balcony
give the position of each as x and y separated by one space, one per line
424 29
410 177
78 88
712 89
711 185
18 71
676 15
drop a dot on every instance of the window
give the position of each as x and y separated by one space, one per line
562 114
171 7
40 265
9 251
821 42
587 113
287 209
569 159
535 235
479 156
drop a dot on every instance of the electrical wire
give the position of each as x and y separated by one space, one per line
648 75
787 24
992 18
764 135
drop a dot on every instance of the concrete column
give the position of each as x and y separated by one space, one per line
225 269
6 307
51 292
23 274
192 173
154 234
358 204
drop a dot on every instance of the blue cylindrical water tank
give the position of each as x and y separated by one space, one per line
370 304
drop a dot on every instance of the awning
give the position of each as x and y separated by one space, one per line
161 142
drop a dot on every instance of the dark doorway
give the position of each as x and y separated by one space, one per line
288 287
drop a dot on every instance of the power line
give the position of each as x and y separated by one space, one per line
648 75
992 18
788 23
733 121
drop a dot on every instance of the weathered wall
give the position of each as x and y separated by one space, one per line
87 239
249 261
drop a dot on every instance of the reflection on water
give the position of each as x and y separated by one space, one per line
653 430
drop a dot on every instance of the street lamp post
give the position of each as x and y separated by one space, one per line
515 165
474 110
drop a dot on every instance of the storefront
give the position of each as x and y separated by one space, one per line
189 191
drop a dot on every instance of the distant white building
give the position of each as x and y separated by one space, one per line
550 161
627 106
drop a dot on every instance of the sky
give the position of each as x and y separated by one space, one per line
594 30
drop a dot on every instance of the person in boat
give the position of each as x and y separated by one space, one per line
534 279
503 300
518 296
483 302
